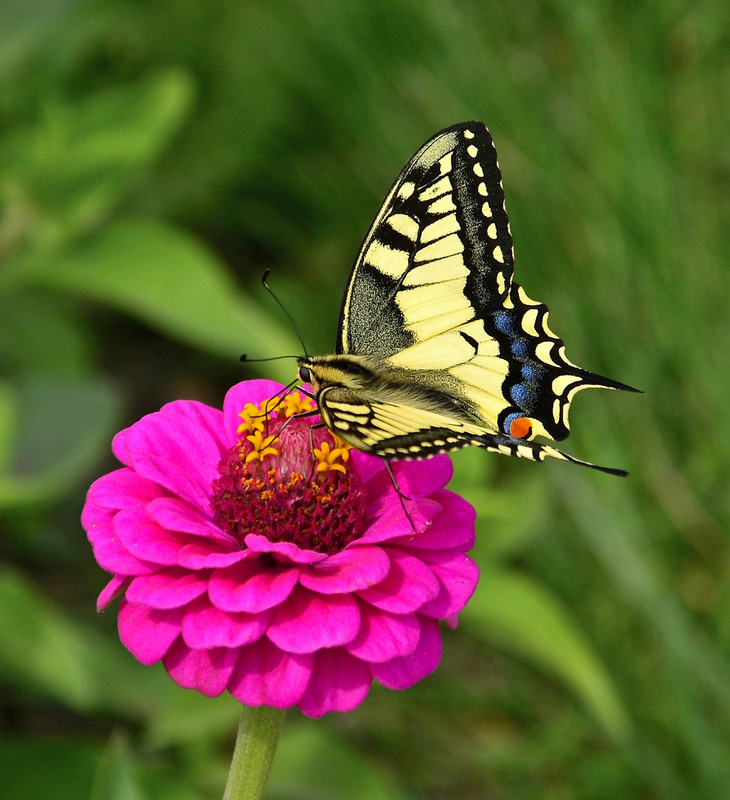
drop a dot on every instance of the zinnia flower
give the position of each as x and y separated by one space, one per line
257 554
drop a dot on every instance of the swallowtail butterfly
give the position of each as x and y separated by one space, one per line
438 347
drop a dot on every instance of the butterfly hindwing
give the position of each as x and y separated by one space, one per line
400 430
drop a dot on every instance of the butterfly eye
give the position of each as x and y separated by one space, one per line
305 374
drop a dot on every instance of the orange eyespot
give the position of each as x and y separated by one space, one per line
520 428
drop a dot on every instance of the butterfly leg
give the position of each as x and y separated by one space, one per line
401 497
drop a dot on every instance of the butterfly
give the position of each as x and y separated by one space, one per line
438 348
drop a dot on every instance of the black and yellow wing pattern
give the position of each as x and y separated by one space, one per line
438 348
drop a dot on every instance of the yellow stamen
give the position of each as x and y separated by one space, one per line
329 458
296 403
261 446
253 419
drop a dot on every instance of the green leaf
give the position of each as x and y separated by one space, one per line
78 160
58 429
37 334
513 611
166 279
116 779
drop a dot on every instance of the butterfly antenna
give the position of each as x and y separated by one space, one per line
248 360
287 314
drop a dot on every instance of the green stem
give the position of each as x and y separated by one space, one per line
258 735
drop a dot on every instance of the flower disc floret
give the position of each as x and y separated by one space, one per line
257 554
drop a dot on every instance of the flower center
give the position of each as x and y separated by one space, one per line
288 481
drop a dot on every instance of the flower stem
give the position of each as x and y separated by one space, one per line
258 735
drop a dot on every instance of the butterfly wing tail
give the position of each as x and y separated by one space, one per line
536 452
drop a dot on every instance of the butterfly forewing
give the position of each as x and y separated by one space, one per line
438 252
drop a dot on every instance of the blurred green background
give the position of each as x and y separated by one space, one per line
155 158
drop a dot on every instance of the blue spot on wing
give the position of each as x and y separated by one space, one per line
519 348
519 394
503 322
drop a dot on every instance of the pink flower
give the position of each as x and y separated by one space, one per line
247 564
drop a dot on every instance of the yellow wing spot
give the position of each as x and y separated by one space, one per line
442 206
528 301
393 262
404 224
472 150
544 352
441 186
442 227
529 322
448 246
406 190
492 231
468 134
557 409
261 446
332 459
498 255
482 189
563 382
445 164
478 171
486 209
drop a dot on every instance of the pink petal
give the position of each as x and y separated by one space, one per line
453 528
347 571
285 552
195 556
367 466
208 671
400 673
458 576
168 588
256 392
147 632
393 523
177 448
410 584
339 682
266 676
121 489
417 479
177 515
144 539
108 550
385 636
251 586
205 627
111 591
308 621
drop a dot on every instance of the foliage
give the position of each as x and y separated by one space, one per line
156 158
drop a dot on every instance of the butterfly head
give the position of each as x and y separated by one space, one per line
345 371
